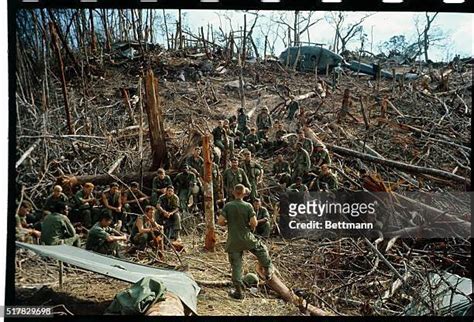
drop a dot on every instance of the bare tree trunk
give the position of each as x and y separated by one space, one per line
155 122
166 30
106 30
93 38
55 41
210 241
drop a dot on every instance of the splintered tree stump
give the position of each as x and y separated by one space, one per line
155 122
210 241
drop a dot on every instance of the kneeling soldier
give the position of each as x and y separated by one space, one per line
146 231
240 219
104 239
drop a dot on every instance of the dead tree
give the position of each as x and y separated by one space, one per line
301 24
210 241
344 33
55 40
155 122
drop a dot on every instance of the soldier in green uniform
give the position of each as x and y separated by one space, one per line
196 162
219 136
231 133
263 219
326 180
301 163
298 186
169 217
54 198
145 229
307 143
264 123
239 216
23 231
279 134
134 202
112 202
57 228
281 171
184 182
252 142
104 239
242 122
84 202
233 176
320 156
254 173
160 182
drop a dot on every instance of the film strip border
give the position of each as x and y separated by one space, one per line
352 5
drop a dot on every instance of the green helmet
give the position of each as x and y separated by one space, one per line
250 279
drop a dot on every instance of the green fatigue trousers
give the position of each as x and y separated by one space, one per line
220 145
172 226
71 241
235 260
142 240
86 215
107 248
184 195
253 190
263 230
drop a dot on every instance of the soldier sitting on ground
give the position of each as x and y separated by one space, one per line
54 198
57 228
281 171
307 143
146 231
298 186
24 232
134 203
242 122
239 217
160 182
84 202
326 180
264 123
112 202
169 217
301 163
185 182
196 162
219 136
233 176
252 142
279 141
104 239
320 157
263 219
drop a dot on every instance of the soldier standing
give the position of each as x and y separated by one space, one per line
232 177
160 182
104 239
301 163
57 228
169 217
264 123
254 173
263 219
239 216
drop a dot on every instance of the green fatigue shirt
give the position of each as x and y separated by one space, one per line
239 236
252 170
196 164
97 236
232 178
160 184
281 167
262 213
56 227
219 134
169 203
321 157
52 201
302 160
113 199
308 145
242 120
79 197
184 180
264 121
295 187
330 180
252 139
279 135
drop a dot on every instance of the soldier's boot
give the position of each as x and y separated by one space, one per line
237 293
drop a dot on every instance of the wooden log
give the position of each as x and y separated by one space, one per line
27 153
210 240
101 179
155 123
170 306
399 165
